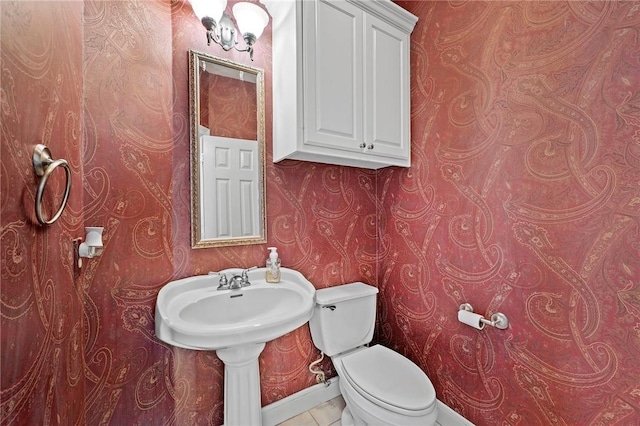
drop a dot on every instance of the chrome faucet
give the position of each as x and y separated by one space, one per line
234 283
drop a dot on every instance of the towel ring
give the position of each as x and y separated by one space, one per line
44 166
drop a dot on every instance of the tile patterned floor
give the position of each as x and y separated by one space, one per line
327 414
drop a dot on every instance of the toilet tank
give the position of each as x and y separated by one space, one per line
344 317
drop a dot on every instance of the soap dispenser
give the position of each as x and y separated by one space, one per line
273 266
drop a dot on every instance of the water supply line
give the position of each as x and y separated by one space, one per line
320 376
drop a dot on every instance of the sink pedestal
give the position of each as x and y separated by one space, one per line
242 403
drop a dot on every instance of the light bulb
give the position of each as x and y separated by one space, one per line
251 18
211 8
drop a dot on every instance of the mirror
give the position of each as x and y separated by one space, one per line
227 152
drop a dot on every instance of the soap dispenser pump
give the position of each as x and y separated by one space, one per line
273 266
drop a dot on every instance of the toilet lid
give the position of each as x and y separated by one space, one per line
384 375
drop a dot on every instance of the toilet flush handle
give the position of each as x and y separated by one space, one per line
332 307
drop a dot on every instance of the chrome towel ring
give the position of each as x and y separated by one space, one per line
44 165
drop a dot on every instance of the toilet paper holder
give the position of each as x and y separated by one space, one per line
498 320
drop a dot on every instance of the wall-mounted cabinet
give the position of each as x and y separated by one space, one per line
341 82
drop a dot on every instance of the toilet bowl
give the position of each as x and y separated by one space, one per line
379 385
385 388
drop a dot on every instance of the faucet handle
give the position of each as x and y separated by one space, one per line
223 279
222 282
245 276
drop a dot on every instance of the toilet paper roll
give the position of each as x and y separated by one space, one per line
471 319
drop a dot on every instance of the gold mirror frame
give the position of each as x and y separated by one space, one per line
195 62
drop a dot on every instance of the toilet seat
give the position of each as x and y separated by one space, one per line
389 380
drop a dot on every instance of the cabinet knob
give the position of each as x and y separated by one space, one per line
363 145
370 146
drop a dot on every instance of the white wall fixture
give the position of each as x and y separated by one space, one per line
92 245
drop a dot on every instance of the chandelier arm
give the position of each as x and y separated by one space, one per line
249 40
224 35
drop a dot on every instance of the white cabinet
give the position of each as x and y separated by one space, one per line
341 82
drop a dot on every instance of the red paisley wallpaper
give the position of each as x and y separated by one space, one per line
523 197
42 323
228 106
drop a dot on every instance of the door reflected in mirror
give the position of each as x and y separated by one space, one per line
227 152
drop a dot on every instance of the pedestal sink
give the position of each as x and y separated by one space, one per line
192 313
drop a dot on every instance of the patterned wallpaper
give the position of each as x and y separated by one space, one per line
42 330
123 68
523 197
228 106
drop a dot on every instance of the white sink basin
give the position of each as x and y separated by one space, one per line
191 313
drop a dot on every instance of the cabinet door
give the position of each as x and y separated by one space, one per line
333 60
387 98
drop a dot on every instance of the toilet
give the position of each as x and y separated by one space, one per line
379 386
